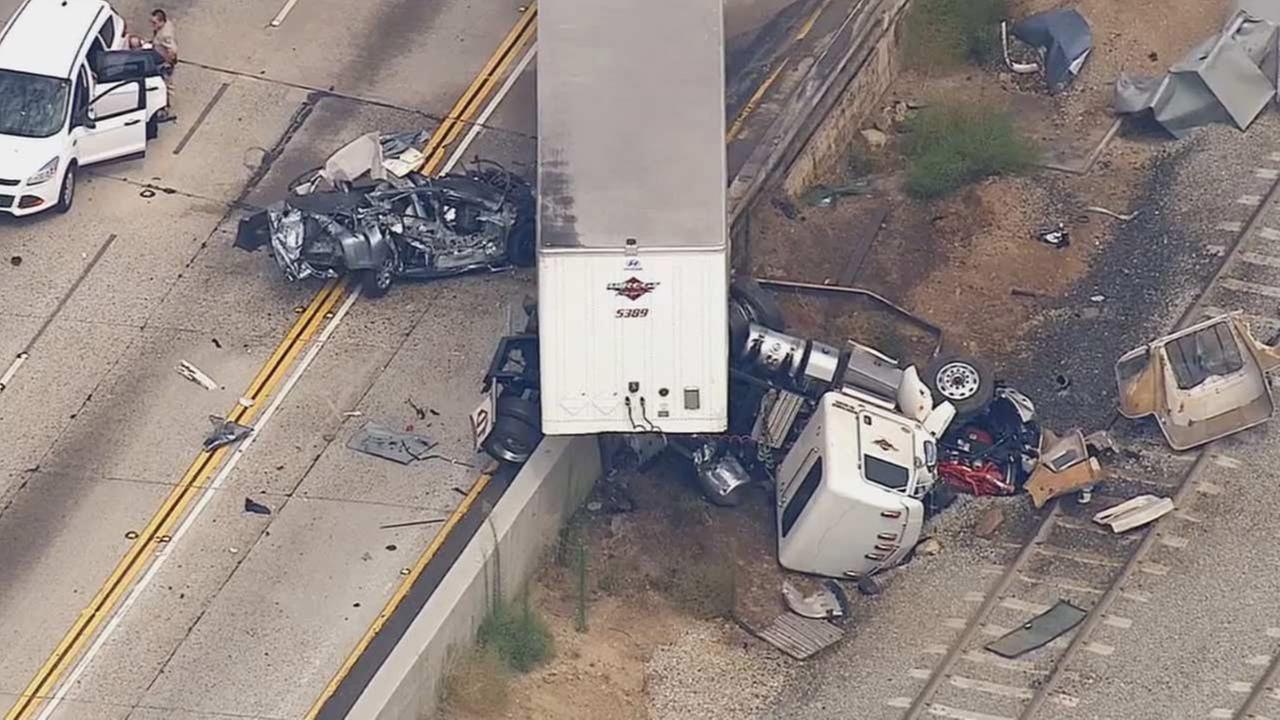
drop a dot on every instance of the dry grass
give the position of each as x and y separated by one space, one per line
478 683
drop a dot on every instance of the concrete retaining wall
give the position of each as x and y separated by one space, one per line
870 69
497 562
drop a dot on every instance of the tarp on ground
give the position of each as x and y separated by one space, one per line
1064 36
1228 78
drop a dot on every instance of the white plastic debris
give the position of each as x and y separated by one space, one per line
1134 512
195 375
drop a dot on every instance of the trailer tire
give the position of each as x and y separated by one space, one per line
521 250
517 429
757 304
966 382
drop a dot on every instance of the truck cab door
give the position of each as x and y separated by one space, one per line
113 124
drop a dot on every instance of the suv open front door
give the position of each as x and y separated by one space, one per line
114 122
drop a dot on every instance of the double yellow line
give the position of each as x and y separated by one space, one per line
464 111
308 324
171 511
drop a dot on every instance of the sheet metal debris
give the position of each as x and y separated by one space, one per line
194 374
1039 631
368 211
1202 383
828 602
1134 512
255 507
1064 40
1228 78
224 432
380 441
1065 466
800 637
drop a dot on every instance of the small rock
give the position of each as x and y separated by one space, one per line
875 139
928 547
1097 298
594 506
990 520
16 260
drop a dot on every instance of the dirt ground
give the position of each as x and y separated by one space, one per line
665 580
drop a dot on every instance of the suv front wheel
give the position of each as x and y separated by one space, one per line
67 191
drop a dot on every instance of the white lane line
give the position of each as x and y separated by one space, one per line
284 13
205 497
488 110
231 462
13 370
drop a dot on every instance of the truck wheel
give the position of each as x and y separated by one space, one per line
757 304
521 250
965 382
67 191
517 429
376 282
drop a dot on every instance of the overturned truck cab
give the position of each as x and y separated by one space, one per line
846 437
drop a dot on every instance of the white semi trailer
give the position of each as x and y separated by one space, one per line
639 336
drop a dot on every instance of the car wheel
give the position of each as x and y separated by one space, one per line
376 282
965 382
517 429
67 192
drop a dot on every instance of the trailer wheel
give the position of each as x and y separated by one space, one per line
965 382
517 429
521 250
757 304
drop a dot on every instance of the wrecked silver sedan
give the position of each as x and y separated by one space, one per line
381 221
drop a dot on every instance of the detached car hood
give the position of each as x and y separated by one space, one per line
21 157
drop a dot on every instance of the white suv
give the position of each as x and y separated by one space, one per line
69 96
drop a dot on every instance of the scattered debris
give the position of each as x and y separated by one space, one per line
352 216
1114 214
195 375
224 432
824 196
245 402
417 410
1039 631
1065 467
1057 237
16 260
870 585
257 508
352 414
827 603
800 637
1097 298
380 441
788 210
990 520
1064 40
993 452
1021 292
410 523
1202 383
1229 77
1134 512
216 343
1016 67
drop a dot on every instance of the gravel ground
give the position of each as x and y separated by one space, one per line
713 671
1149 275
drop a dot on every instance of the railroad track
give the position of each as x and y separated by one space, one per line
1070 558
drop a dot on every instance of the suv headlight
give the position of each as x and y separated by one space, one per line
45 173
